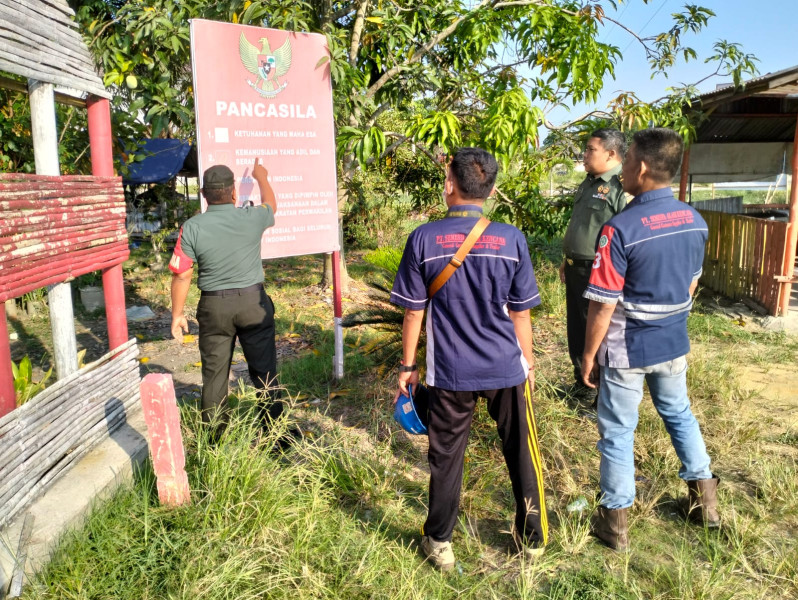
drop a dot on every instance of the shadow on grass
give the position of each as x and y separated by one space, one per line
28 343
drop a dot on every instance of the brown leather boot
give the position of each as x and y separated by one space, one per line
611 526
703 498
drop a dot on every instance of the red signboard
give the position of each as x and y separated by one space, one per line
265 93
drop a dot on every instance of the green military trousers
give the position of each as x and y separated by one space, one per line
246 314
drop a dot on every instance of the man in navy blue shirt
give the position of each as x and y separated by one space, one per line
648 262
479 344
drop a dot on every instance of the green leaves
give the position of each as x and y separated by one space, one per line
366 146
511 125
438 129
24 385
732 61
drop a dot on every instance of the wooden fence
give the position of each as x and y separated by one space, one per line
731 204
44 437
744 255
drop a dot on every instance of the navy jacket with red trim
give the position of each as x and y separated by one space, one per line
647 257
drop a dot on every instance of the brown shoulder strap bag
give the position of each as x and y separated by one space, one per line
459 256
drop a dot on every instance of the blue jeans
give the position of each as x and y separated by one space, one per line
619 397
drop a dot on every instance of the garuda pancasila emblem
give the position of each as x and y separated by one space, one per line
267 65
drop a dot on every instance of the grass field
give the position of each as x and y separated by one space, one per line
339 516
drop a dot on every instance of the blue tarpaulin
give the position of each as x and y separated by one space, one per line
164 159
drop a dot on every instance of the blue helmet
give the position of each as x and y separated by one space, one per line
412 412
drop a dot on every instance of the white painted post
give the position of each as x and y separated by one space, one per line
45 154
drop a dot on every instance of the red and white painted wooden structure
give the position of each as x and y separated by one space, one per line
53 228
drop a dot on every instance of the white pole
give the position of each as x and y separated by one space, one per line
45 154
338 357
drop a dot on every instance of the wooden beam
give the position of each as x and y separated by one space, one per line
10 65
31 38
40 11
64 66
166 440
45 155
8 396
24 24
60 97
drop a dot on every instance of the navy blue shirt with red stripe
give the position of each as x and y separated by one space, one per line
471 342
647 257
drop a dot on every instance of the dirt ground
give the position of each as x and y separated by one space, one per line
777 389
159 352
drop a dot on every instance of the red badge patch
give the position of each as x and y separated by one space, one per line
604 274
180 263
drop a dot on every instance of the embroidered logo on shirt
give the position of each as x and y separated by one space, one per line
603 241
455 240
675 218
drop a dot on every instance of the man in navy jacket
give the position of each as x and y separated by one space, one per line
479 344
648 262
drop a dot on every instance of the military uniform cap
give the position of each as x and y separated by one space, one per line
218 177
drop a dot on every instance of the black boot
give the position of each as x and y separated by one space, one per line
611 526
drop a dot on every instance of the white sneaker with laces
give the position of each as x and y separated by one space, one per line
440 554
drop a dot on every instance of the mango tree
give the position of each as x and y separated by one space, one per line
458 72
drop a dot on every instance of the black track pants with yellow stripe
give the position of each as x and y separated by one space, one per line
449 424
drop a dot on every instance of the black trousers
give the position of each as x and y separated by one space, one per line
450 415
249 316
577 276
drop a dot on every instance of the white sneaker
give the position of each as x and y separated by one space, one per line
440 554
530 553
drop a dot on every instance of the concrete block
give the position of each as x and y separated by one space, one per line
166 441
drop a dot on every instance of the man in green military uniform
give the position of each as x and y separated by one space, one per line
599 197
225 243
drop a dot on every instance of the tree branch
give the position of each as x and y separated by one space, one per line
403 138
357 31
528 3
376 114
340 14
592 113
442 35
418 55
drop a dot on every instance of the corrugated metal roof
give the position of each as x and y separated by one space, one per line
751 129
765 109
781 83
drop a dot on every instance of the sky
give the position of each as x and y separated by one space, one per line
764 28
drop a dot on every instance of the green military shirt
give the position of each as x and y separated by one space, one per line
596 201
225 241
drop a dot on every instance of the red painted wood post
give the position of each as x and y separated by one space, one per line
792 232
102 165
166 441
8 398
684 175
338 356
